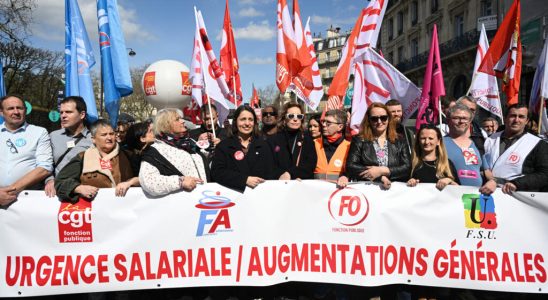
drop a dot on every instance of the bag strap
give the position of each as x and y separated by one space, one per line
68 150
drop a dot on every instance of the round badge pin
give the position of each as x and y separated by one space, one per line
239 155
202 144
20 142
338 163
54 116
28 106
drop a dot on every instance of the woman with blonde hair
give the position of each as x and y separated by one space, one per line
173 162
377 154
430 163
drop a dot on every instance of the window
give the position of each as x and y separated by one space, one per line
414 12
319 46
331 43
390 29
401 55
414 47
400 23
459 25
342 40
434 6
486 8
391 57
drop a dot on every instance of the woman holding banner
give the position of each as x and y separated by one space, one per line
294 153
102 166
429 162
173 162
376 154
243 159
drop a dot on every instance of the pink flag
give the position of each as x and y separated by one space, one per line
432 87
484 87
376 80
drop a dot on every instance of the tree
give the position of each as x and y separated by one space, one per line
135 104
15 20
269 95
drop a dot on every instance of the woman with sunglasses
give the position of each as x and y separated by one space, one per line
243 159
376 154
293 149
430 163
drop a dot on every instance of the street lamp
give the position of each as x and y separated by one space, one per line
131 52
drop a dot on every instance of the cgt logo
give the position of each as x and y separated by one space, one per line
348 206
214 215
74 222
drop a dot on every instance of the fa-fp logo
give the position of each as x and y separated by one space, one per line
214 215
348 206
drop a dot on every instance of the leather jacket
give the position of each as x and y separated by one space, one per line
362 154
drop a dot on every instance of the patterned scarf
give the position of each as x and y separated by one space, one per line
183 143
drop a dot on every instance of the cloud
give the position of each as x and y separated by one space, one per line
49 15
253 2
257 60
253 31
250 12
323 20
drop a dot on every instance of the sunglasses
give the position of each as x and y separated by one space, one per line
295 116
269 114
375 119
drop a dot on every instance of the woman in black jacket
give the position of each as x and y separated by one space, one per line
377 154
243 159
293 149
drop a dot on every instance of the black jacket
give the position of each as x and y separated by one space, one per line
362 154
300 162
535 170
231 172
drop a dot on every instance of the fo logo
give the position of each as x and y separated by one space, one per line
348 206
214 215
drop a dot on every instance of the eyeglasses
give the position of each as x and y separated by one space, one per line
269 114
375 119
12 147
329 123
295 116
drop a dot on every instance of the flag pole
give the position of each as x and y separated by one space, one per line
439 111
541 111
234 84
210 111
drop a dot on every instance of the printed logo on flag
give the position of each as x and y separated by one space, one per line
479 216
186 84
214 216
349 207
150 83
74 222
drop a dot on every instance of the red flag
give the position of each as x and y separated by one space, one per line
503 59
254 102
192 111
365 34
302 59
229 60
432 87
286 48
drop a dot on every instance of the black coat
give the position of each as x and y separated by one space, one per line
232 173
286 161
362 154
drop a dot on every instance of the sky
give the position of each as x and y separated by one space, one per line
164 29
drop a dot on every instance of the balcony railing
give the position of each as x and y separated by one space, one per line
452 46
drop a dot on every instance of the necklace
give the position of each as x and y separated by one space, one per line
432 165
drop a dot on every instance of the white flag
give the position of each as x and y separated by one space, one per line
206 74
316 93
484 87
539 92
376 80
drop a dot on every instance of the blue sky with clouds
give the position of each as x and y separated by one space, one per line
164 29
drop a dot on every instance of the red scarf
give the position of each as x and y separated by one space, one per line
334 138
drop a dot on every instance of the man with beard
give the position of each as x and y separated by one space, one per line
270 121
396 111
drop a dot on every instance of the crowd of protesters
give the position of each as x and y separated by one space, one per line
163 156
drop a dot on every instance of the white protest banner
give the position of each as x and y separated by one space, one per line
280 231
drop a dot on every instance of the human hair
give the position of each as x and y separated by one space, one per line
443 168
237 113
162 122
393 102
518 106
10 96
339 114
366 132
466 98
461 107
446 101
204 110
490 119
286 107
134 134
101 123
78 101
274 109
